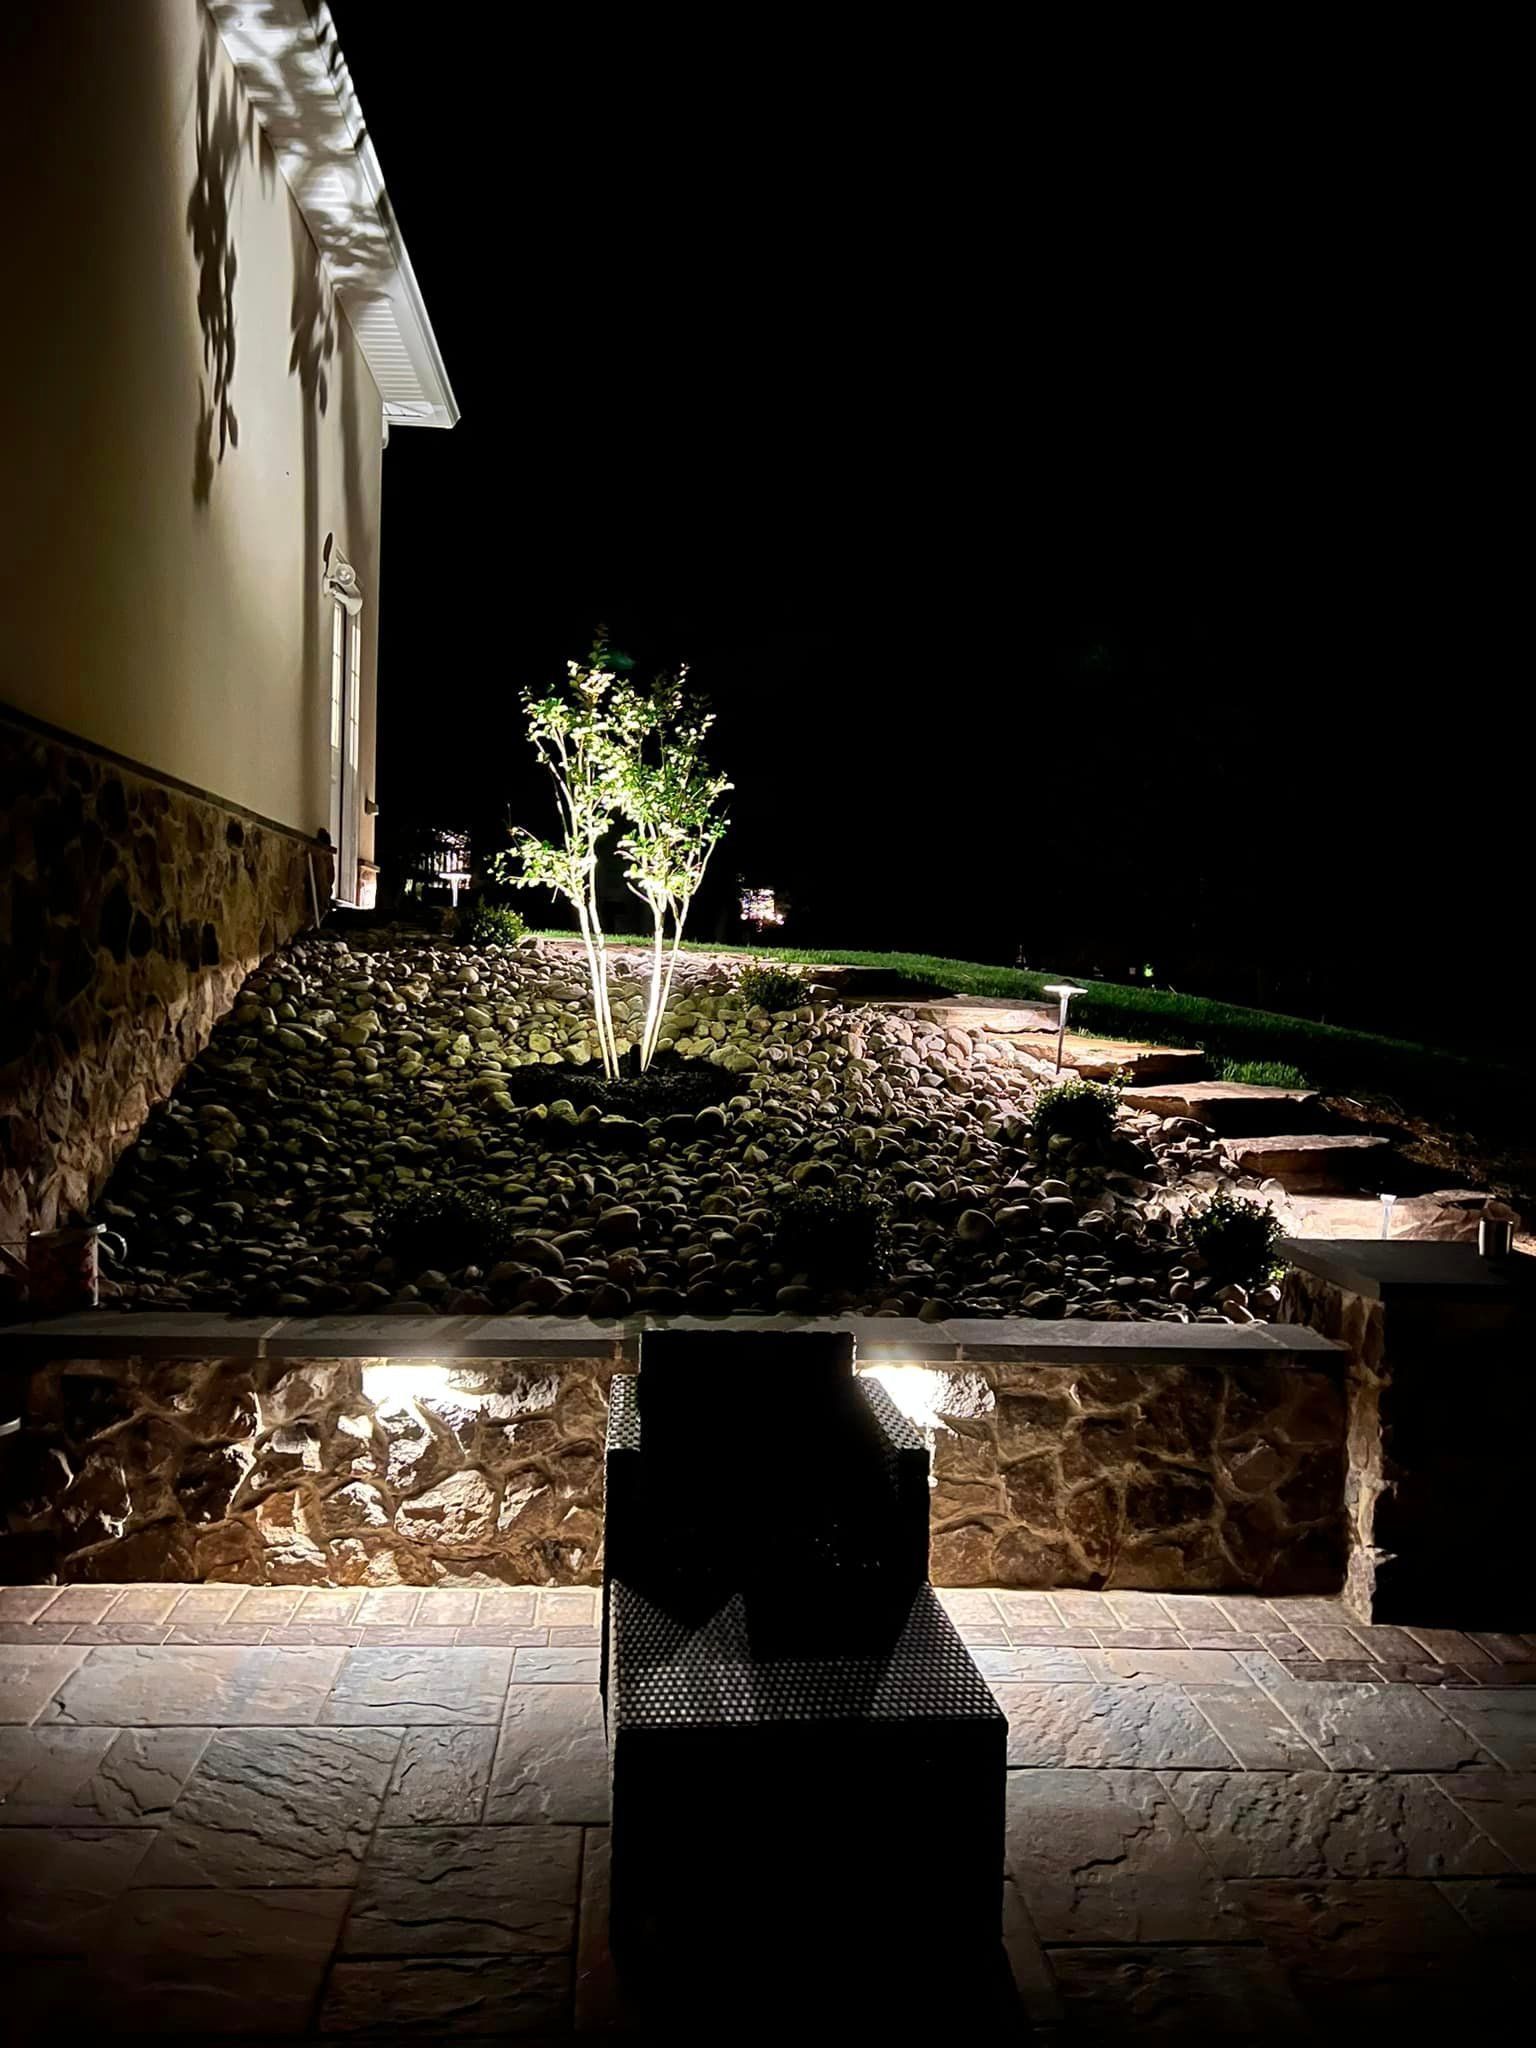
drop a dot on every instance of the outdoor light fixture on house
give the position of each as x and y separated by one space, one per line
1064 991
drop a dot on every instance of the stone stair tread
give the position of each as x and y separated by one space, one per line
1308 1141
1446 1215
1032 1028
1304 1159
1234 1108
991 1014
1104 1059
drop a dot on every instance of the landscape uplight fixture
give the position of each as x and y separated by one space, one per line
1064 991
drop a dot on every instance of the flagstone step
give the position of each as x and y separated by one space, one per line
1105 1059
985 1015
1444 1215
1303 1161
1032 1029
1236 1109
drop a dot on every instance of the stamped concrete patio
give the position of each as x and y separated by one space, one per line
333 1814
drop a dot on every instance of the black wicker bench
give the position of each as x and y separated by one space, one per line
800 1808
858 1537
807 1768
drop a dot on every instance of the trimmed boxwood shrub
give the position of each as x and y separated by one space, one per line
489 924
443 1227
834 1235
1235 1236
771 988
1079 1110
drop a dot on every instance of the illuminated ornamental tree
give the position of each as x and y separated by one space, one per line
578 733
617 754
672 805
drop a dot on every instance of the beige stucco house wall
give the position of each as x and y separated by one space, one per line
162 579
209 322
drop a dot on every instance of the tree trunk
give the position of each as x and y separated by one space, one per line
597 968
677 940
653 1006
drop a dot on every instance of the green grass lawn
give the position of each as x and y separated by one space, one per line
1328 1056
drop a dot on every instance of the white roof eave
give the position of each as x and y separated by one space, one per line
291 65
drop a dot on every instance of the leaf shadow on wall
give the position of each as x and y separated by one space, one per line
312 333
222 141
311 321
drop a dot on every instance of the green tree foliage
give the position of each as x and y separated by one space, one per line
672 806
622 756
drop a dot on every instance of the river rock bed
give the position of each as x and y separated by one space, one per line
352 1070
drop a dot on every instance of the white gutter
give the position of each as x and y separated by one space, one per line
291 65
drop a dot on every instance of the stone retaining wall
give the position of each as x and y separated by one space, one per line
1439 1343
355 1471
130 913
1355 1322
1166 1476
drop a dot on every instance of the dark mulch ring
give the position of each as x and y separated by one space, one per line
670 1087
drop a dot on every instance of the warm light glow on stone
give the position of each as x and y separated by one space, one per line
919 1391
392 1388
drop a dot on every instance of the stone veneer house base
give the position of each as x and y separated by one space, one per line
131 910
463 1451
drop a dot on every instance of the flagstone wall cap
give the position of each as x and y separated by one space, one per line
1426 1269
882 1340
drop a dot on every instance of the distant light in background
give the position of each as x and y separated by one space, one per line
439 859
760 907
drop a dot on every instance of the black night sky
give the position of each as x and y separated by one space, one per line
1095 534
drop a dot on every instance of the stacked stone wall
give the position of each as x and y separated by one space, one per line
365 1472
130 912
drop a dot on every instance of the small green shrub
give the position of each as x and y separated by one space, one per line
1079 1110
835 1235
1235 1236
443 1227
770 988
488 924
1263 1073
